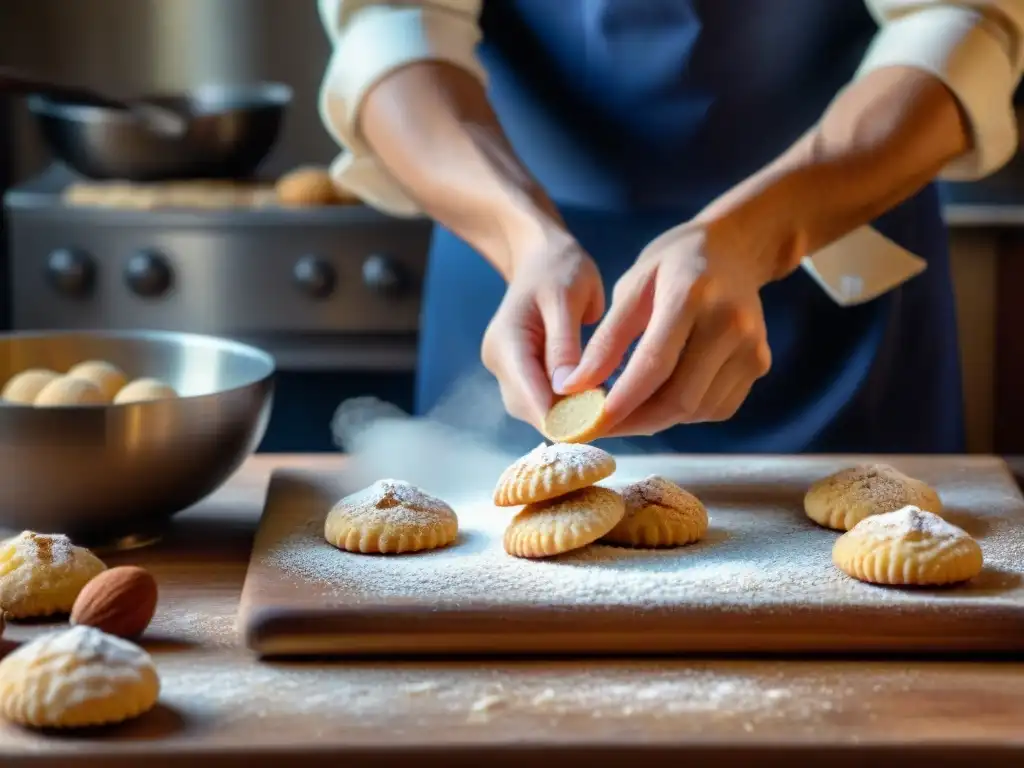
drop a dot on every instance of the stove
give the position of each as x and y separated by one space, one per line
333 293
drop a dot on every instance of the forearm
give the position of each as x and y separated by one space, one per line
431 126
881 141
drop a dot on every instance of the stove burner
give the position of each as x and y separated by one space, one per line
336 287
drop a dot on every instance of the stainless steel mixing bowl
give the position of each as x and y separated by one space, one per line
230 130
112 476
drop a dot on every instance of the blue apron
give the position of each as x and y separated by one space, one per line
634 114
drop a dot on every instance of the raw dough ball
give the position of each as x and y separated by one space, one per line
908 547
41 574
66 392
77 677
390 516
659 514
843 499
307 187
551 470
575 418
144 390
108 378
560 525
26 386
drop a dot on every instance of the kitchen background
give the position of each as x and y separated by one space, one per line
352 327
333 294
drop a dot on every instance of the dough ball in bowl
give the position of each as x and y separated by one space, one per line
66 392
108 378
145 390
25 387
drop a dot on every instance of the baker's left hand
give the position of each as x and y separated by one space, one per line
694 300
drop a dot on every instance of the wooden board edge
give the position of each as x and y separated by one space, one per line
380 631
247 617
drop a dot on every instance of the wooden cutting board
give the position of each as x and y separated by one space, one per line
761 581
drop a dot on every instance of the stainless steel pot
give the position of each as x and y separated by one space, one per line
230 131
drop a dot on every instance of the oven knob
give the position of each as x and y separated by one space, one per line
314 277
148 274
383 275
70 272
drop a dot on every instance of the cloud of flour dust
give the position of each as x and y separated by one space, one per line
458 449
454 450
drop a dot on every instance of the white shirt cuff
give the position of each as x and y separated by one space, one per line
373 42
973 56
862 266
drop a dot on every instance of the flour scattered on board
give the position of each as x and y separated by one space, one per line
361 697
768 555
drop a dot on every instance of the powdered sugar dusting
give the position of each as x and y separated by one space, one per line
365 696
760 550
393 502
654 490
909 521
78 646
576 456
880 485
884 485
44 548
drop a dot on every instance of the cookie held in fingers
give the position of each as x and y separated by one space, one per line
560 525
658 514
41 574
843 499
390 517
907 547
75 678
575 418
552 470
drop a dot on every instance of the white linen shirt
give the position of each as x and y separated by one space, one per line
975 47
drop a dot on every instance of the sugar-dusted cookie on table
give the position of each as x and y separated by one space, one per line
844 498
390 517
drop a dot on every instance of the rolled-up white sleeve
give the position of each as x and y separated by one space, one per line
975 47
371 39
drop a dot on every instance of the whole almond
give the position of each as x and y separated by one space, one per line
120 601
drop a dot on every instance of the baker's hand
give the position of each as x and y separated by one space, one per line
695 303
533 340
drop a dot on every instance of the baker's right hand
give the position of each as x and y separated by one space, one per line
533 341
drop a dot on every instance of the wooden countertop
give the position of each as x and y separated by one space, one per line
221 707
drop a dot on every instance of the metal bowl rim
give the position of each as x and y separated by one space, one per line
203 340
272 94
